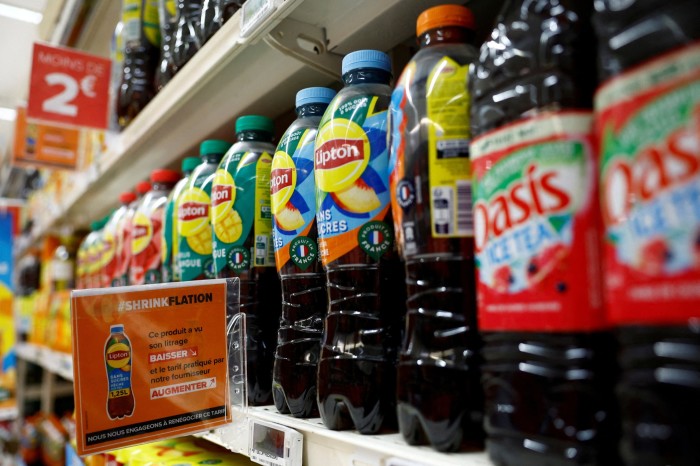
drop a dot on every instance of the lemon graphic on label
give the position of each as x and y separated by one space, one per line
193 220
358 198
283 181
289 218
118 355
141 233
341 154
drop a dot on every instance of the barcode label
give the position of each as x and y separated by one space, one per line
465 218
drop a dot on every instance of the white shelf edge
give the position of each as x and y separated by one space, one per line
323 446
56 362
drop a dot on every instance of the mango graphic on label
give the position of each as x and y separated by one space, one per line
289 218
229 228
358 198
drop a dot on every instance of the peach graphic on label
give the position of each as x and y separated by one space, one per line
289 218
358 198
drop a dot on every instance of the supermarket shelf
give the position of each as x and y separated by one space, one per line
323 446
231 75
56 362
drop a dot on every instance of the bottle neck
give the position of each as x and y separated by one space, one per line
163 186
313 109
254 135
212 158
446 35
366 76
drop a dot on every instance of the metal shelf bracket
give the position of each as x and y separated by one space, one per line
306 43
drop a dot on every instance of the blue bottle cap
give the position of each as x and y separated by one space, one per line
314 95
116 329
366 59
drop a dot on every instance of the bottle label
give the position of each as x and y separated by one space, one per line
449 169
167 240
146 245
118 362
194 234
648 125
108 255
350 163
123 249
293 198
140 16
241 213
536 225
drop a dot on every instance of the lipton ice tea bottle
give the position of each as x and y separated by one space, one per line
120 398
111 235
439 389
168 24
141 34
84 269
194 232
242 224
648 122
146 229
304 298
356 372
124 237
169 233
549 367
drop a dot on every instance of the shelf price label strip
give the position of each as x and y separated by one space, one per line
151 362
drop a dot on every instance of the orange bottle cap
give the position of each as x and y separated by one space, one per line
444 15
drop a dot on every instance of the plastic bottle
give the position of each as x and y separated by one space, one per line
439 397
169 272
648 122
549 372
141 55
215 13
124 236
116 55
110 236
194 232
304 295
167 14
94 255
187 40
147 226
120 398
356 372
63 265
242 223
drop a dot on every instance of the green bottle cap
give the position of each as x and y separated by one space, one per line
189 164
213 146
255 123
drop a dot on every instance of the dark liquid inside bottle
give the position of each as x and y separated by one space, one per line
299 342
168 26
138 77
186 41
549 395
660 364
215 13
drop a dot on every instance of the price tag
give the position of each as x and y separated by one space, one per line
69 87
253 14
274 445
150 362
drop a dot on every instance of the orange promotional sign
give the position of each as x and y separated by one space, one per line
39 144
68 86
150 362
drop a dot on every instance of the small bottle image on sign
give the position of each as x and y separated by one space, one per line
120 398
